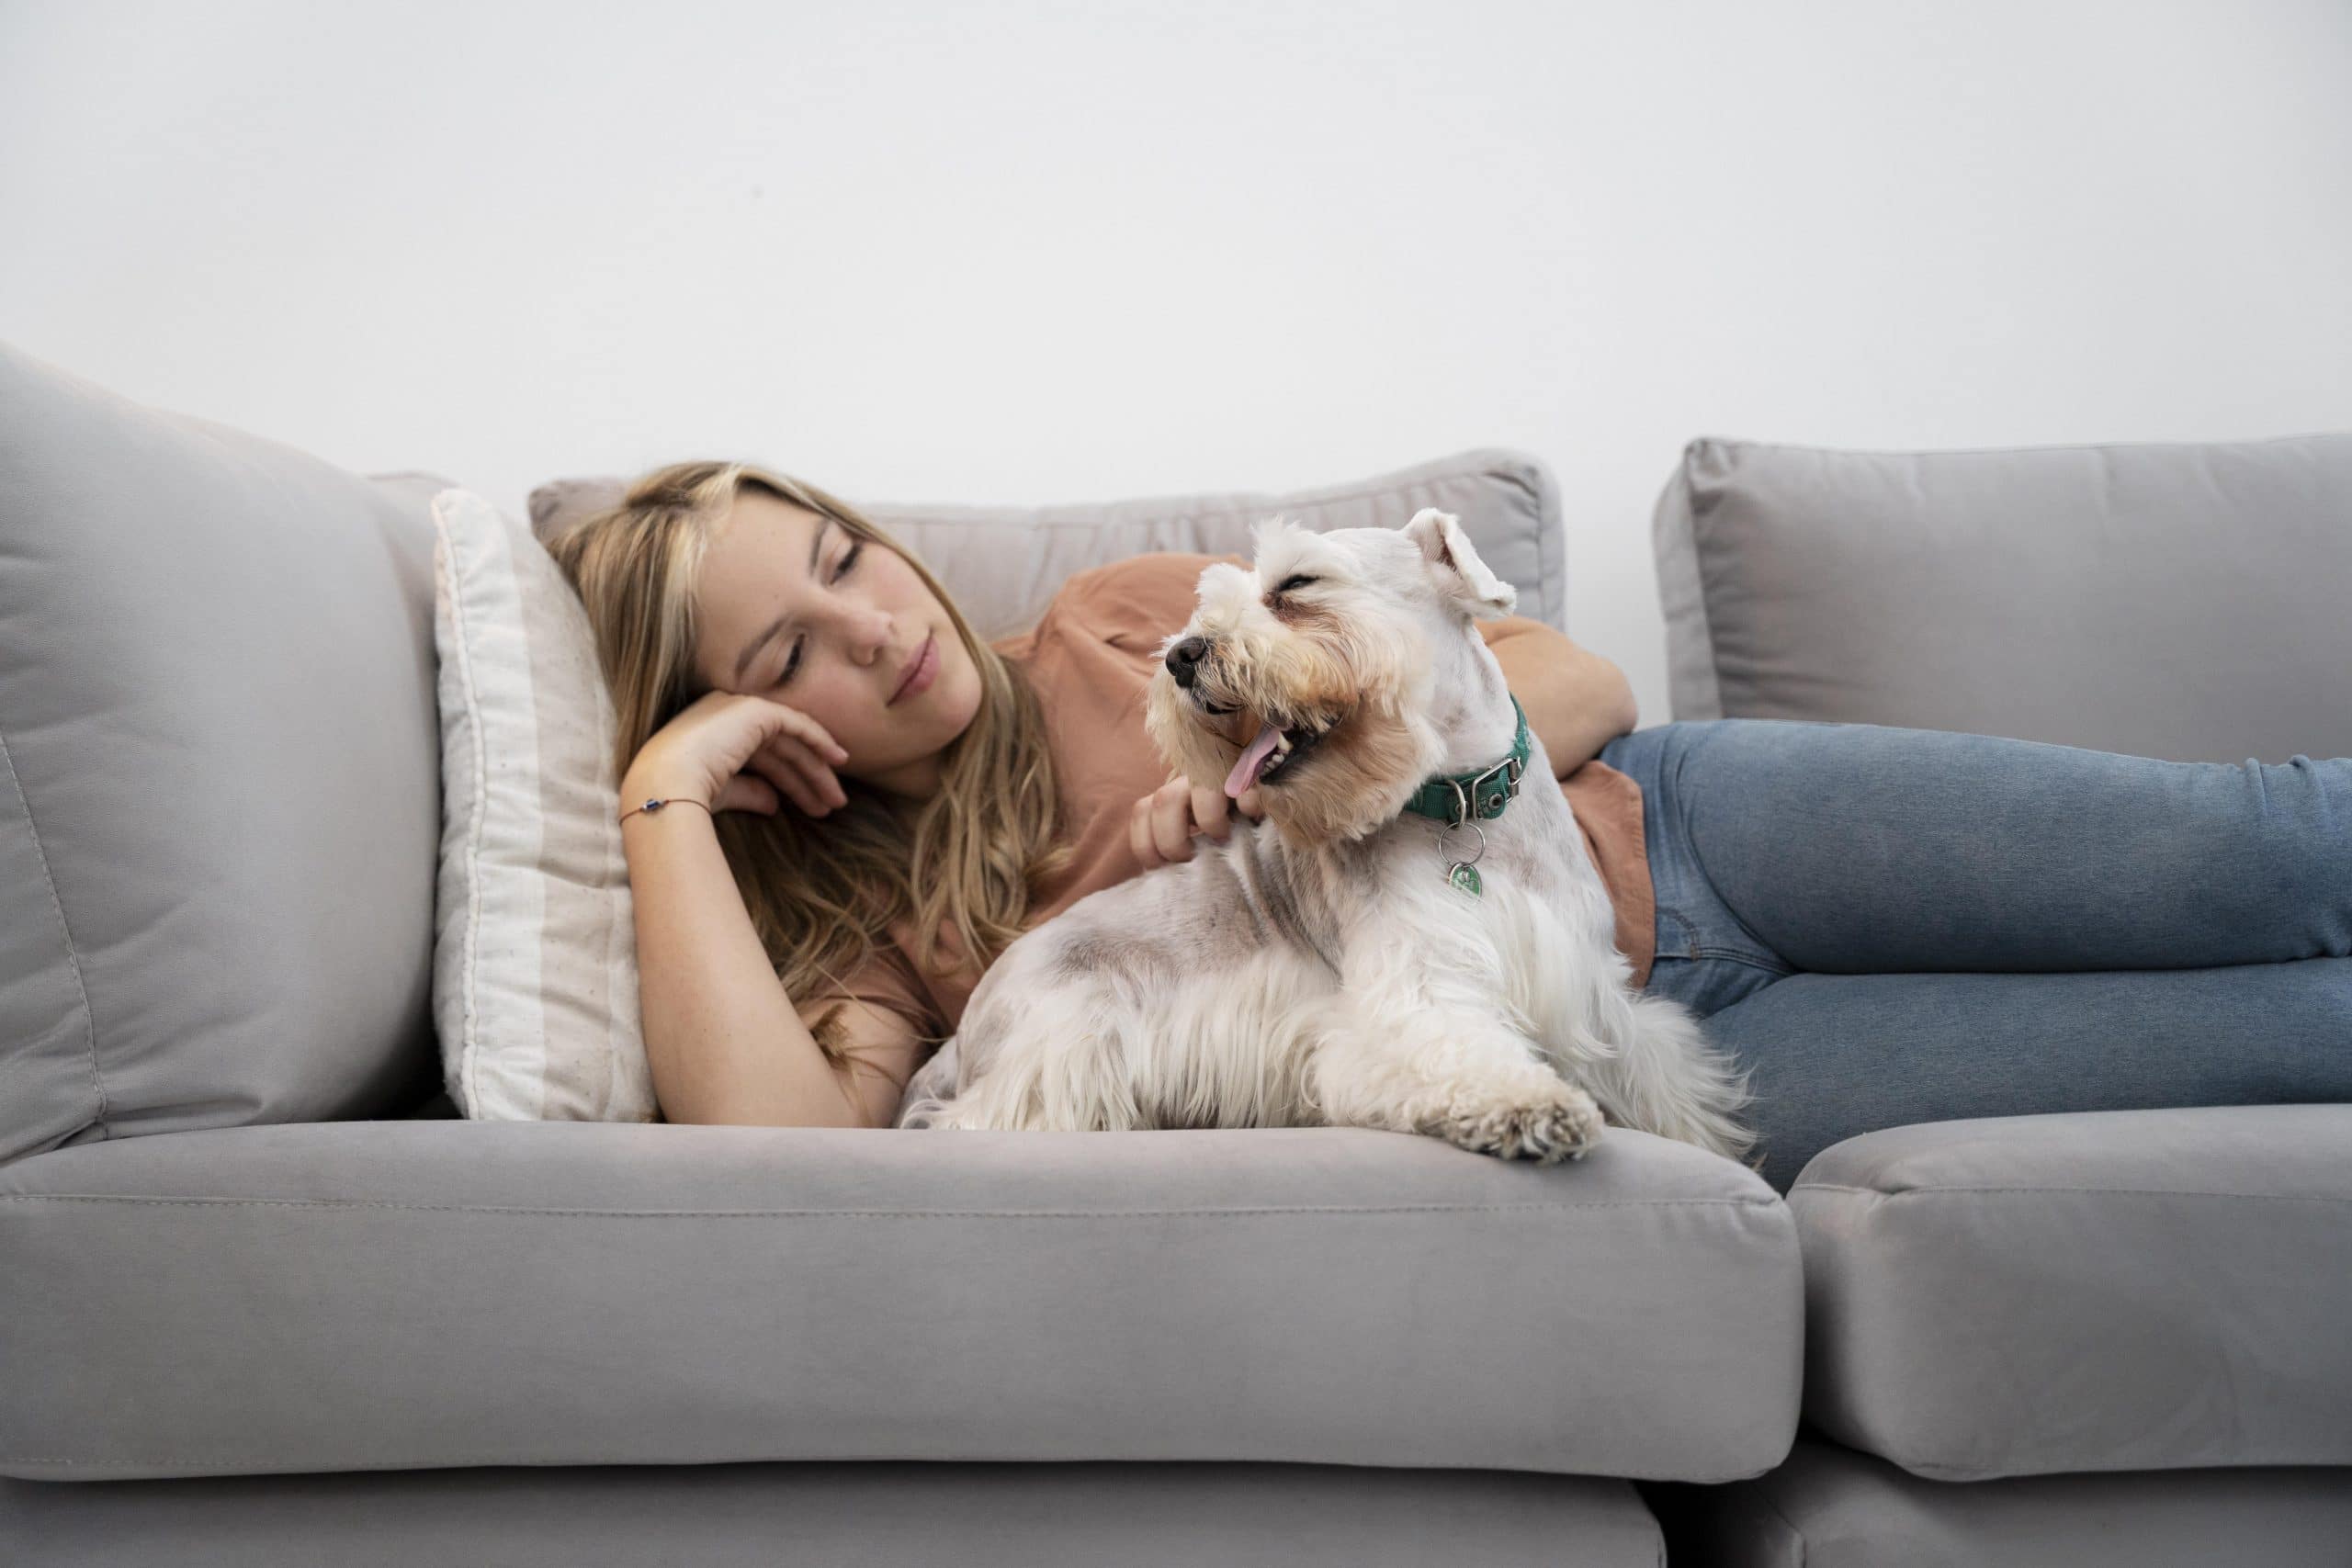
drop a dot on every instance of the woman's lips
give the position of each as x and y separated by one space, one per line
926 665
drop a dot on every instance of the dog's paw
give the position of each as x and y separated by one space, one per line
1563 1124
934 1114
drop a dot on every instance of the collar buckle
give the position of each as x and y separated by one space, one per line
1473 796
1509 768
1465 802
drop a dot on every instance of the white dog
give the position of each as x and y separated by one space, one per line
1408 941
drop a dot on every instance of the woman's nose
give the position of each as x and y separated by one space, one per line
875 638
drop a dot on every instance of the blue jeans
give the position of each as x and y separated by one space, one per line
1889 926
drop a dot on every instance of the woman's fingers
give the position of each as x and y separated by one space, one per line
1139 840
788 782
797 771
825 792
1163 824
809 732
1172 821
1209 812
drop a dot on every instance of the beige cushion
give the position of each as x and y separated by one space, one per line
534 956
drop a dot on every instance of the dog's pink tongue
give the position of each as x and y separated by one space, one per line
1245 771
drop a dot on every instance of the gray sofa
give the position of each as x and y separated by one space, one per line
262 1302
2112 1336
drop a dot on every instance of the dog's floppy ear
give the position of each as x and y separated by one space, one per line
1461 576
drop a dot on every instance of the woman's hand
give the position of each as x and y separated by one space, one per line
737 752
1161 829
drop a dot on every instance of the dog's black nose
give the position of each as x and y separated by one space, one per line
1184 656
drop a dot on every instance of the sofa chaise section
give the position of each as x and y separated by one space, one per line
2113 1336
1831 1507
2121 1290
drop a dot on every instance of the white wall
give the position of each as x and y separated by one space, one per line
1043 252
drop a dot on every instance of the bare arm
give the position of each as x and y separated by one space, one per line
1576 701
723 1039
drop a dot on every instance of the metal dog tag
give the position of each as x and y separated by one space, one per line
1461 873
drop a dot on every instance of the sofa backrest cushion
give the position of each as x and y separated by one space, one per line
2177 601
1002 563
218 775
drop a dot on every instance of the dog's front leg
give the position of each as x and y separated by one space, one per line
1419 1042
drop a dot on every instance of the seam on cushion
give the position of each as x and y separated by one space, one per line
1703 504
1423 473
2100 446
1552 524
1757 1204
1527 478
2069 1192
1773 1506
1945 1470
468 1054
1668 589
65 928
921 512
451 1461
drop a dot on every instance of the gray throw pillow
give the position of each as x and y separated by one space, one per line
2177 601
218 775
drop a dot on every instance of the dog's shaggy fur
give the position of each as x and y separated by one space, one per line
1319 968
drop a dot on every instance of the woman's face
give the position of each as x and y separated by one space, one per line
850 628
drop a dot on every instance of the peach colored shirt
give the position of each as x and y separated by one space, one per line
1091 657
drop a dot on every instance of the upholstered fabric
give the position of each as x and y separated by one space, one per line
399 1293
1003 563
2174 600
889 1514
219 764
2121 1289
534 945
1830 1508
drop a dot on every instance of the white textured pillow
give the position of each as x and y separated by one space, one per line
534 949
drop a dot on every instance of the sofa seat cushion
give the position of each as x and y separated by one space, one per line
430 1293
1830 1508
2121 1290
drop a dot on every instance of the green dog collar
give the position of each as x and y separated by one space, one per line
1453 798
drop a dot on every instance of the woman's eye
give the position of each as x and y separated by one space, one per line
848 560
1290 582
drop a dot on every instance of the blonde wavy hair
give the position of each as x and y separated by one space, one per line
822 895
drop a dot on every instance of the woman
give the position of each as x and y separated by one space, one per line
1883 925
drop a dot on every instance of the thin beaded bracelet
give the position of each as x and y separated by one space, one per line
658 804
